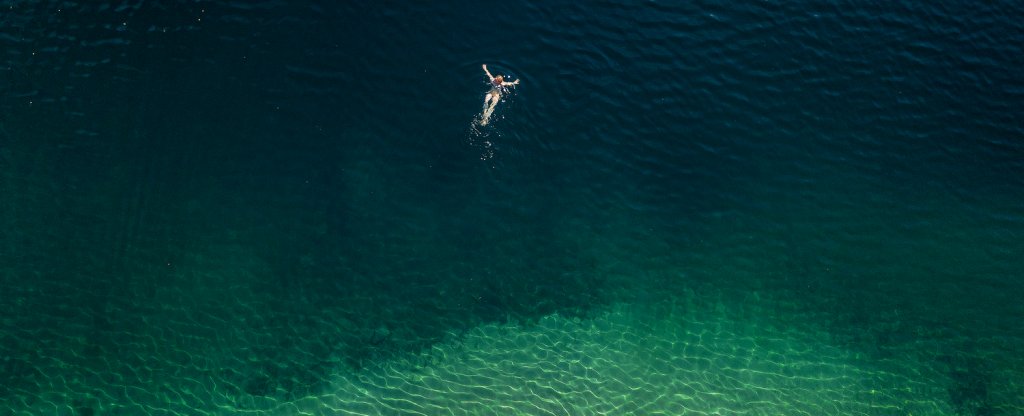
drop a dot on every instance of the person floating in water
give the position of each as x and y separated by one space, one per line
498 85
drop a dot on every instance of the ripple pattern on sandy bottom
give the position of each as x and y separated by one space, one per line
656 359
701 354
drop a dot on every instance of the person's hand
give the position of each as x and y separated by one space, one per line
516 82
485 66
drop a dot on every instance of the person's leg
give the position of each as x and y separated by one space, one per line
490 102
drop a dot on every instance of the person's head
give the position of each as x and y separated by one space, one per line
499 79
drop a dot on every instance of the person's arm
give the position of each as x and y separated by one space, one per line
507 84
489 76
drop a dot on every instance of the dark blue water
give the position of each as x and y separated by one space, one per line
291 208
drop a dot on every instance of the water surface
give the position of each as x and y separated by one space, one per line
285 208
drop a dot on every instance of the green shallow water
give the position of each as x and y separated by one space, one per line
286 209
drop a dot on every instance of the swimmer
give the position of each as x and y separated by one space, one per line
498 85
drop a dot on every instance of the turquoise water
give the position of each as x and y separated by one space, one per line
288 208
